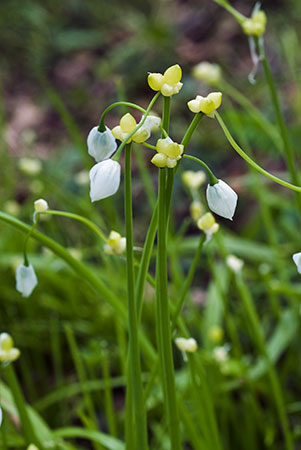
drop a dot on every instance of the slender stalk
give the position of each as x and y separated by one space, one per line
134 352
212 178
279 117
27 427
109 406
249 160
164 333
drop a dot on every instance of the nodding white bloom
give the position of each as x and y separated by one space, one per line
216 334
104 179
169 83
186 345
206 105
128 123
234 263
222 199
297 260
8 352
101 144
40 205
207 72
220 354
26 279
196 210
116 244
207 224
192 179
30 166
169 153
255 26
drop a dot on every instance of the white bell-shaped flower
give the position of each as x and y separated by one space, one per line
40 205
222 199
101 145
104 179
26 279
297 260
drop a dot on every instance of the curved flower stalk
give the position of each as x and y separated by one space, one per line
8 353
222 199
168 153
128 124
169 83
206 105
26 279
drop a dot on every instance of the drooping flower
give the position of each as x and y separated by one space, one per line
40 205
222 199
128 123
26 279
104 179
186 345
206 105
208 224
101 144
169 83
207 72
255 26
192 179
116 244
168 153
297 260
8 352
234 263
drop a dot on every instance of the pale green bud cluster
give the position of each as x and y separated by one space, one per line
8 352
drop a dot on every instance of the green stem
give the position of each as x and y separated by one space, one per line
101 126
164 333
109 406
225 4
190 130
82 219
28 429
135 372
279 115
249 160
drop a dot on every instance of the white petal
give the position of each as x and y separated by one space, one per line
104 179
26 280
297 260
222 199
151 123
101 145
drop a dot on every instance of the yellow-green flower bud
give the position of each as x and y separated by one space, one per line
196 210
206 221
256 25
8 352
168 83
193 180
207 73
115 244
216 334
206 105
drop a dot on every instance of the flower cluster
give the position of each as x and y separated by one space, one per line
193 180
8 352
168 83
206 105
207 73
116 244
207 224
255 26
186 345
128 124
168 153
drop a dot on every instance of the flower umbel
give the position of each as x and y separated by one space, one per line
168 83
207 73
8 352
26 279
255 26
128 123
169 153
222 199
115 244
206 105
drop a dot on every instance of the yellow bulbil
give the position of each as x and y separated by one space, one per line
206 221
127 123
206 105
256 25
207 72
169 153
168 83
216 334
8 352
